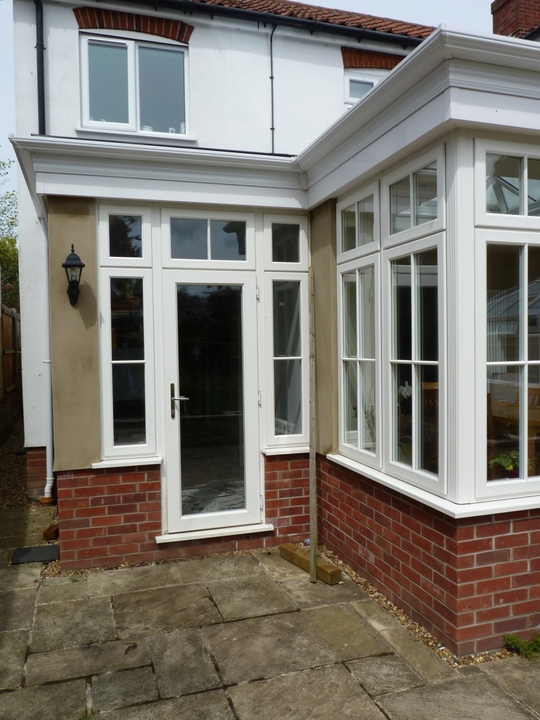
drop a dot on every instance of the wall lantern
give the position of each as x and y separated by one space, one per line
74 267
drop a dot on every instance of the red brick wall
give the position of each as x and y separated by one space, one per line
109 517
92 18
515 17
469 582
36 471
357 58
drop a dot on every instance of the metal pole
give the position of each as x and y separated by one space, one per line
312 429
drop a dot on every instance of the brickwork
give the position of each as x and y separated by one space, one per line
109 517
36 471
515 18
89 18
359 59
469 582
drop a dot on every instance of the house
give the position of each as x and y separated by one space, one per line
204 161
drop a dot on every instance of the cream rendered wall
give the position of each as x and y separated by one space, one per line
74 332
323 261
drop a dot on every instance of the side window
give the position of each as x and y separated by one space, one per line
123 85
359 82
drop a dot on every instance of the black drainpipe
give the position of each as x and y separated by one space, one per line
40 53
272 115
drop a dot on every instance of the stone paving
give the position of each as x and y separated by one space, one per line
244 637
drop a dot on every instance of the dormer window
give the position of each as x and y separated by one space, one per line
124 85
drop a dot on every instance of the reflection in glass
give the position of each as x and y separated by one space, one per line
285 242
366 282
349 315
368 436
359 88
227 240
401 309
129 420
366 221
127 326
504 303
161 90
189 239
533 303
503 184
503 421
403 417
108 82
429 419
287 358
533 186
210 351
348 229
400 205
350 405
125 236
427 302
425 194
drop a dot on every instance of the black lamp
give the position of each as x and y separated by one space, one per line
73 266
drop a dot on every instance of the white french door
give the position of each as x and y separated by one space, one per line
211 409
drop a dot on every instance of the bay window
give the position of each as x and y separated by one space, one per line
133 85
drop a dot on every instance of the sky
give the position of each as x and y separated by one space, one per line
473 15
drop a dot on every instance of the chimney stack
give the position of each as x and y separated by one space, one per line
515 17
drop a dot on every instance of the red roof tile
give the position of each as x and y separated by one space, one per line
325 15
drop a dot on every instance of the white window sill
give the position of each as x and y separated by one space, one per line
135 136
286 450
127 462
452 509
218 532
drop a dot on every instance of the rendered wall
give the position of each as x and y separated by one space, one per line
74 336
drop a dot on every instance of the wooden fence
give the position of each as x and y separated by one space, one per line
10 376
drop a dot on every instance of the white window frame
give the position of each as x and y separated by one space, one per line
390 239
482 148
302 264
372 459
108 260
131 43
359 251
206 264
363 75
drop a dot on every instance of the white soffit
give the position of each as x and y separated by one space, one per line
454 79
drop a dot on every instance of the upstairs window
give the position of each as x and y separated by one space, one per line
124 88
359 82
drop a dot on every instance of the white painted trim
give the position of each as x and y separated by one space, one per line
302 222
452 509
285 450
218 532
343 204
127 462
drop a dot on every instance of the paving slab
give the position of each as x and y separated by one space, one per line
79 662
263 647
307 594
123 689
61 701
277 567
73 624
384 674
317 694
60 589
160 610
182 663
114 582
17 609
250 597
209 569
518 676
20 576
204 706
13 647
469 698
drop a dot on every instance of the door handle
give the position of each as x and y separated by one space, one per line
174 399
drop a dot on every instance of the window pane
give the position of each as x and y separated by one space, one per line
350 402
503 421
533 187
286 319
429 419
189 239
400 205
128 404
288 396
401 311
359 88
285 242
125 236
533 420
427 301
349 315
366 221
503 184
228 240
108 82
348 229
367 312
504 303
403 414
533 304
368 439
425 194
127 322
161 90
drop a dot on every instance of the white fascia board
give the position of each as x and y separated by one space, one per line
130 171
462 79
